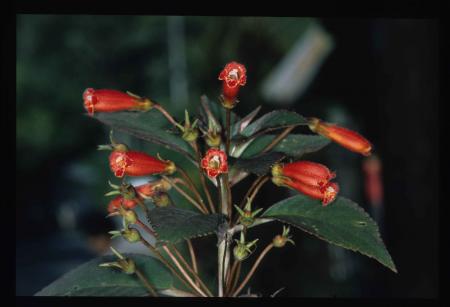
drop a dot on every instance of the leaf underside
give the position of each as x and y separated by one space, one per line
342 223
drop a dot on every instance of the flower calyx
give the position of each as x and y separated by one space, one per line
130 234
281 240
127 265
189 132
243 249
247 216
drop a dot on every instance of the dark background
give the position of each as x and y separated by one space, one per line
382 79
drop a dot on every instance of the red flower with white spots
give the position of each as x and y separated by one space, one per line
215 162
104 100
349 139
135 163
309 178
233 77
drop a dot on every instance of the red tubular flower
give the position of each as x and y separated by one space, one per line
309 178
349 139
215 162
233 76
144 191
135 163
112 101
326 193
307 172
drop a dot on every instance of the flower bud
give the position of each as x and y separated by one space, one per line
233 76
213 139
104 100
349 139
131 235
281 240
129 216
242 249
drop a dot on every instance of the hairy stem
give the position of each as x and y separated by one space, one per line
253 269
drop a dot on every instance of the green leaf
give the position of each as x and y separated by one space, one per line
91 280
240 125
279 118
258 165
151 126
174 224
293 145
342 223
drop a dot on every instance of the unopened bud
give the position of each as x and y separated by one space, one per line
131 235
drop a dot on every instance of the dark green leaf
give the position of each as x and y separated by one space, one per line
342 223
279 118
244 122
174 224
258 165
91 280
293 145
151 126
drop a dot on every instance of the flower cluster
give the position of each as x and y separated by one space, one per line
310 178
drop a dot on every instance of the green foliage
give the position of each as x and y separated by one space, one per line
91 280
258 165
278 118
149 126
174 224
342 223
293 145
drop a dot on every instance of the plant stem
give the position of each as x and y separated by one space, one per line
193 257
251 193
165 262
230 277
223 253
278 139
228 130
199 281
179 190
202 177
252 270
236 278
169 117
183 272
192 186
145 227
146 283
